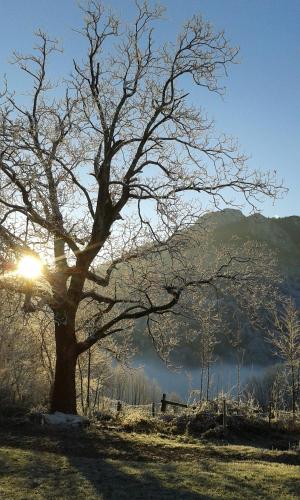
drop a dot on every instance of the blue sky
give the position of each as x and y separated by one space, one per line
262 103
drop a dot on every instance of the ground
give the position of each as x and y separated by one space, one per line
104 463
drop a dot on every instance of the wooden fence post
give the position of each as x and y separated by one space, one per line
224 413
153 409
163 403
270 411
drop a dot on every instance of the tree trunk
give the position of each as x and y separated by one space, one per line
293 392
81 387
201 381
208 381
88 383
238 383
63 394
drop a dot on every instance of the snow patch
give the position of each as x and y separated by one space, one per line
65 419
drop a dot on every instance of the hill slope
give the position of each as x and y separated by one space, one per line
281 237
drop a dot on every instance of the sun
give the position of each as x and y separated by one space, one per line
29 267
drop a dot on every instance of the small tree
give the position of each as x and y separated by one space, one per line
285 339
238 345
83 163
94 374
207 344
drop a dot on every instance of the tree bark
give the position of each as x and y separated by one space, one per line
293 392
201 382
88 383
81 387
208 381
63 394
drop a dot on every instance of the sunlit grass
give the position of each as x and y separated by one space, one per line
172 469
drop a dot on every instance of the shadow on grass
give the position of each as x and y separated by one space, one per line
106 443
266 491
115 467
105 468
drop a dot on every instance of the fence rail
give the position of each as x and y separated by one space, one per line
221 406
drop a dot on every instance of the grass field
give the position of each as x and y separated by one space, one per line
106 464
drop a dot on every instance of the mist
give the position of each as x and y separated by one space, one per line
183 381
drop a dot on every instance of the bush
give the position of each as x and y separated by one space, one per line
11 409
136 421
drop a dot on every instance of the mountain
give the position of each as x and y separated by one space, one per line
280 236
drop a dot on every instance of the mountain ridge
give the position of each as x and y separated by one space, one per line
282 237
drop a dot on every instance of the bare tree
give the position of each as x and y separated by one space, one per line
97 172
207 344
285 339
237 343
94 373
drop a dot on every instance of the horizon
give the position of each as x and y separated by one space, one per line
252 214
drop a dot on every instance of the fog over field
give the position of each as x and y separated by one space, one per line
183 381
